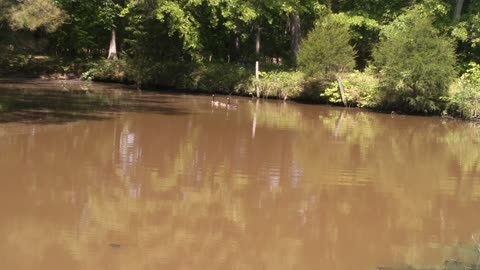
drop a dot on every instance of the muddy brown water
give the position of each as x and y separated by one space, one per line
164 181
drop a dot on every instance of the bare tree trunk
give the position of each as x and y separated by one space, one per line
237 45
257 63
458 10
296 35
342 92
257 41
112 51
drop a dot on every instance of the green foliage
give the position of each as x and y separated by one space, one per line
467 33
327 51
379 10
106 70
280 84
33 14
87 27
464 96
415 62
223 78
165 74
218 78
364 35
361 89
180 19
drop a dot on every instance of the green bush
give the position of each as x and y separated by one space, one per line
140 71
107 70
164 74
221 78
416 63
463 99
361 89
278 84
327 50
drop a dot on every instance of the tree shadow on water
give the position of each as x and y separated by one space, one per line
63 106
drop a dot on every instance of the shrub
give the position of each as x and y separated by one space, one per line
220 77
140 71
361 89
144 71
415 62
278 84
464 95
106 70
327 51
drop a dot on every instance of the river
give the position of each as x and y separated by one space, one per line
129 180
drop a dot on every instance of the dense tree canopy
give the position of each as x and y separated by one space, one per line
226 30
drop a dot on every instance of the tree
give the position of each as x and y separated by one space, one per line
327 51
379 10
110 14
89 27
296 11
4 5
33 14
416 63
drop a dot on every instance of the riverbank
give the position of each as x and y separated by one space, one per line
14 86
361 89
365 89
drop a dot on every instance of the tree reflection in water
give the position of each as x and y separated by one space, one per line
315 187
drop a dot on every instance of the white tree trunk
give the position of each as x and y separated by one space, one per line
257 63
296 35
257 41
342 92
112 51
458 10
257 77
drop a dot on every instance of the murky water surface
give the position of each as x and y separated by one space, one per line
162 181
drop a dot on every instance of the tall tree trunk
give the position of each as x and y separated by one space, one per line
237 46
257 63
342 92
257 41
112 51
296 35
458 10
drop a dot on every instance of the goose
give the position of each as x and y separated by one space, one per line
231 105
217 103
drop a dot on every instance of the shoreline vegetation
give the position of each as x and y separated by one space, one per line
420 57
227 79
